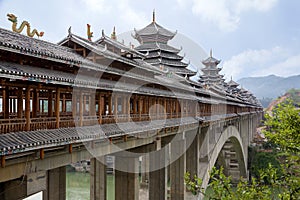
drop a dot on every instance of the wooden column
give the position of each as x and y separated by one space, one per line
80 109
134 105
20 103
57 107
128 109
110 104
165 108
140 108
5 103
74 104
64 109
115 108
92 104
50 99
100 107
34 103
27 108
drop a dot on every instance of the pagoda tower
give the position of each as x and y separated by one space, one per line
211 71
153 41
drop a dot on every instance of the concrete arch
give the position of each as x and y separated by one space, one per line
230 133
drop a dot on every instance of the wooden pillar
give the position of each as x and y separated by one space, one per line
100 107
34 103
5 103
20 103
134 105
92 104
57 107
50 99
140 108
165 108
80 109
27 108
115 97
74 104
128 109
110 104
64 109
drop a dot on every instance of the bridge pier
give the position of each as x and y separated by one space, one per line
178 167
126 178
56 184
192 153
158 173
98 179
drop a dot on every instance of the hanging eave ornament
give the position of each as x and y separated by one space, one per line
14 20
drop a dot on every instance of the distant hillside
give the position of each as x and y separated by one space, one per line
293 94
270 86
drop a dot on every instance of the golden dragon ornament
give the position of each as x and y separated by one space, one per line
14 20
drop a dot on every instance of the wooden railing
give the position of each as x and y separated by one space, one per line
12 125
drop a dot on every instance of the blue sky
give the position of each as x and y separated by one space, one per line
251 37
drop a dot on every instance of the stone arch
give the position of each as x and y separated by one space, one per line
232 135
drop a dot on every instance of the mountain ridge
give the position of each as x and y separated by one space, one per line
271 86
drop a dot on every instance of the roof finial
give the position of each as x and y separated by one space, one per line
153 19
89 33
113 35
231 77
211 53
70 30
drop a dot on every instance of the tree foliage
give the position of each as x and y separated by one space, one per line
284 127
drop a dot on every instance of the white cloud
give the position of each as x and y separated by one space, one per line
97 5
289 66
226 13
260 63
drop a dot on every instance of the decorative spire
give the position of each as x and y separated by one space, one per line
211 53
153 19
89 33
70 30
113 35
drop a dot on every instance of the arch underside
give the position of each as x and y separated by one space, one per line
228 153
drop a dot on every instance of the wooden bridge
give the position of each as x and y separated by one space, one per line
83 100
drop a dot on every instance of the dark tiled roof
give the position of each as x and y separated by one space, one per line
155 46
27 141
211 60
153 29
106 39
158 54
232 83
26 45
171 63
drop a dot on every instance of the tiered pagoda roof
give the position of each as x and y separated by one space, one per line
211 71
153 41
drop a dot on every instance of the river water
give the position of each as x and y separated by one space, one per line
78 186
